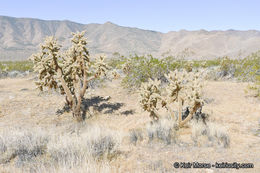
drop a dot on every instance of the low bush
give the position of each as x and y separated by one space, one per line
163 130
37 149
215 134
139 69
21 66
249 70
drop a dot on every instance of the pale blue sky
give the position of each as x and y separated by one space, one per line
158 15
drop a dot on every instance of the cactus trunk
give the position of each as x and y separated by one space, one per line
180 110
77 114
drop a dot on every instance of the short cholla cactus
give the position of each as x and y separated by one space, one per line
126 67
184 88
70 72
115 74
150 97
189 66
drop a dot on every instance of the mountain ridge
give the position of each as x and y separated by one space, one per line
20 37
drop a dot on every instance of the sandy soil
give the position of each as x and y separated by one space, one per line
21 104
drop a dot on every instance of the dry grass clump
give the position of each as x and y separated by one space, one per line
41 151
21 145
73 150
136 135
211 133
164 130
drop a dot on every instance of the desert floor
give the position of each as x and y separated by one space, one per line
24 106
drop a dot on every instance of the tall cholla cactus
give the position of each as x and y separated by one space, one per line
150 97
184 88
70 72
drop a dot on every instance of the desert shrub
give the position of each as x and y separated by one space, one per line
249 70
135 135
139 69
16 66
69 72
214 133
103 146
164 130
36 150
227 67
2 146
24 145
117 61
72 151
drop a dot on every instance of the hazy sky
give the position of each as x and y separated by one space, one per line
158 15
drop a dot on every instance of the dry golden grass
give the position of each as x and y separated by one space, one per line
22 106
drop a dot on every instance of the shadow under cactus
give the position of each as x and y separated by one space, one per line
98 104
128 112
198 115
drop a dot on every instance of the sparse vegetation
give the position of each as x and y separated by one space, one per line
40 150
140 69
163 130
215 134
170 91
16 66
249 70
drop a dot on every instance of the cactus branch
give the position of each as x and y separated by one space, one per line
66 71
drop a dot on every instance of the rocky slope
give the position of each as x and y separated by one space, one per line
20 37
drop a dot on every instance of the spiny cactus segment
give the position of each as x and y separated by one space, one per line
68 71
150 97
183 87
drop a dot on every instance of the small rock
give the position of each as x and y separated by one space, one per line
107 97
11 97
24 89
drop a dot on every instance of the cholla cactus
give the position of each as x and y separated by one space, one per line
189 66
184 88
70 72
126 67
204 64
150 97
115 74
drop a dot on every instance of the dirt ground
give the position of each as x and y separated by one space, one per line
22 105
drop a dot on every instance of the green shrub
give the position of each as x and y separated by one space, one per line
116 61
16 65
249 70
141 68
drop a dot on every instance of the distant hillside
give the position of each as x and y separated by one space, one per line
20 37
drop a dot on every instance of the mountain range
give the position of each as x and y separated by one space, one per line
20 37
